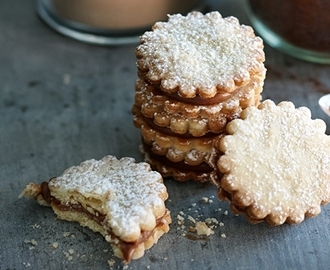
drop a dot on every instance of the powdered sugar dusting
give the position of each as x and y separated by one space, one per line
131 194
200 54
277 162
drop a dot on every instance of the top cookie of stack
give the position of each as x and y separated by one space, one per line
196 73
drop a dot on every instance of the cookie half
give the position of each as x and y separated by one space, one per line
121 199
276 164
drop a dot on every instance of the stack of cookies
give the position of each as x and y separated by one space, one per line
196 73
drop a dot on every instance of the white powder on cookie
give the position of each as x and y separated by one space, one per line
200 53
276 163
130 191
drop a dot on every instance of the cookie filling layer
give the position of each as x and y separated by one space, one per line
197 100
170 132
127 248
181 165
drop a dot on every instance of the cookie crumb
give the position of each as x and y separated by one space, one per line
180 219
192 229
191 219
35 226
26 264
203 229
205 199
54 245
66 234
32 242
68 255
111 262
66 79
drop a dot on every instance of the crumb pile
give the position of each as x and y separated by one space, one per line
193 224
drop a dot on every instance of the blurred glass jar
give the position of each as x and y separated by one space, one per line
109 21
300 28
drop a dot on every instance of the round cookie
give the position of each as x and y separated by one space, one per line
275 164
200 55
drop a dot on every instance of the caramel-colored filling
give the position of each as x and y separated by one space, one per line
197 100
170 132
127 248
181 165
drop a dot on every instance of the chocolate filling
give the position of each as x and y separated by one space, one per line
170 132
197 100
181 165
127 248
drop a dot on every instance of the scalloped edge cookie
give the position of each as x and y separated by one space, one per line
276 164
121 199
200 55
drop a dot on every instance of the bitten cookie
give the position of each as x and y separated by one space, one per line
276 164
196 73
121 199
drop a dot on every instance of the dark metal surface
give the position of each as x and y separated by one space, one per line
62 102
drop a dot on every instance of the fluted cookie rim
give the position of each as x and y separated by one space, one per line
155 44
